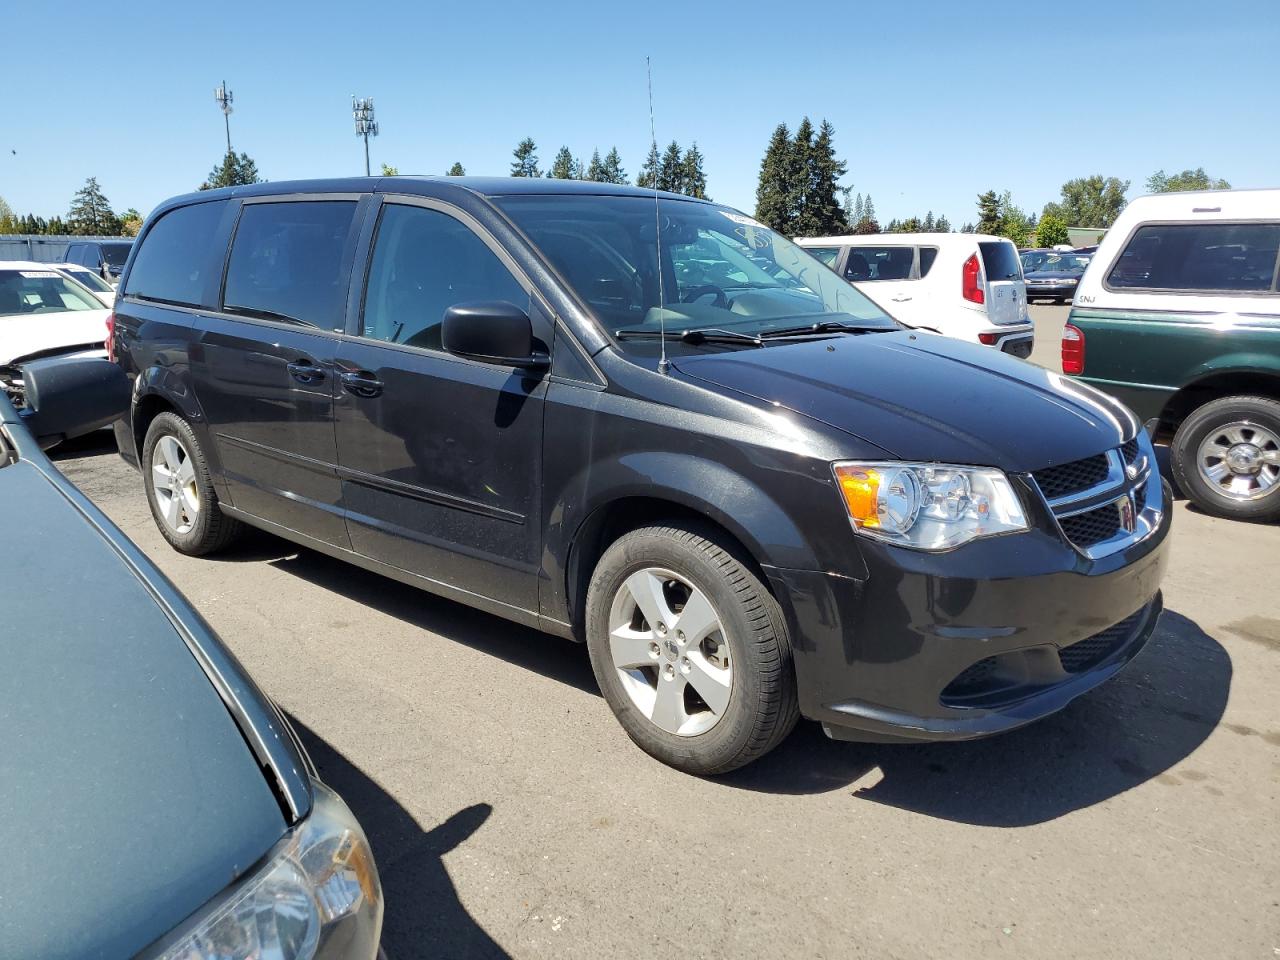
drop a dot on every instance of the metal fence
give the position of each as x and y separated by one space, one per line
39 247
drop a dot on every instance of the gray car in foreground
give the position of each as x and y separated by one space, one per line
153 801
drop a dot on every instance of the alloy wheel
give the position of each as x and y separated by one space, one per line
173 484
669 647
1240 460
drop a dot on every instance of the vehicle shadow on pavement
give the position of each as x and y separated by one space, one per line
423 916
1131 730
553 657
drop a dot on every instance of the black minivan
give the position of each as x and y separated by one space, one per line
649 423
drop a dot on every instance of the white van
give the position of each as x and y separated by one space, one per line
963 285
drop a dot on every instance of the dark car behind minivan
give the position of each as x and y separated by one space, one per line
652 424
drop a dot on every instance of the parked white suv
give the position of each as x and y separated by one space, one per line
963 285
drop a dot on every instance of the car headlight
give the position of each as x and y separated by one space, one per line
928 506
319 878
1071 280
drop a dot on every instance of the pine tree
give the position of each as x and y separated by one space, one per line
648 175
858 211
869 210
613 172
525 162
800 168
928 226
562 166
968 228
9 223
671 169
866 226
90 213
942 225
773 191
233 171
457 170
988 212
695 178
595 169
824 173
56 228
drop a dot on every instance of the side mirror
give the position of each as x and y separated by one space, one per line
492 331
68 397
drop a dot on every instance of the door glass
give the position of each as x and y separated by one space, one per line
424 262
286 261
879 263
1228 257
826 254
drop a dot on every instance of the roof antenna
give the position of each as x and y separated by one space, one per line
663 365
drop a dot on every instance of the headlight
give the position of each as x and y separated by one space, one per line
321 877
928 506
1071 280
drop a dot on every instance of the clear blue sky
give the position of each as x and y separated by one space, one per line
932 101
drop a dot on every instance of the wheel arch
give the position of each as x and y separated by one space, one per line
1215 386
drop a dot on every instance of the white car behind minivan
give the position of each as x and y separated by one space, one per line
963 285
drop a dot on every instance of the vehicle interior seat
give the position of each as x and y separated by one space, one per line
857 268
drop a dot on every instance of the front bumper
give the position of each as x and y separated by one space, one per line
969 643
1056 291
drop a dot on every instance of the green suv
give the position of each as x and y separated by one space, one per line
1178 316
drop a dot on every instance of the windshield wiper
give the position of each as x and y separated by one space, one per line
826 326
705 335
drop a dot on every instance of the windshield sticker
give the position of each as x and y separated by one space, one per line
38 274
741 218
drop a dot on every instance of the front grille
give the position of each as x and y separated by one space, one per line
1086 529
1129 450
972 681
1072 477
1091 651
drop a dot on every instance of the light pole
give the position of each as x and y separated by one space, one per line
366 126
224 98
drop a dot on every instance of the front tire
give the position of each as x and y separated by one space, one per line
180 491
690 650
1226 458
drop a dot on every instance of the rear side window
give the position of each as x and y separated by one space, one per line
826 254
286 261
424 262
1000 261
177 256
927 256
879 263
1202 257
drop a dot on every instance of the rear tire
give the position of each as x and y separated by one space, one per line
1226 458
654 675
180 491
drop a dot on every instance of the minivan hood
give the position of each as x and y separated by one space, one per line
31 333
128 795
918 396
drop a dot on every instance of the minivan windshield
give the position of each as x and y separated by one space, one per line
721 271
24 292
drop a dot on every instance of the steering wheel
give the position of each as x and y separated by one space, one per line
702 290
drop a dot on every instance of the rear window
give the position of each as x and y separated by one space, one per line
879 263
1207 257
177 256
1000 260
116 253
286 261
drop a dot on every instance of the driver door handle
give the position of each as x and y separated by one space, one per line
362 383
304 371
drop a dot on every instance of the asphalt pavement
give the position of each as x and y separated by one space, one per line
511 816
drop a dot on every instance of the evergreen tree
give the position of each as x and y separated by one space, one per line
525 162
800 171
457 170
595 169
234 171
671 169
90 213
562 167
130 223
56 227
869 209
648 175
858 211
613 172
988 212
968 228
942 225
895 226
911 225
866 226
825 170
928 226
695 178
8 222
774 207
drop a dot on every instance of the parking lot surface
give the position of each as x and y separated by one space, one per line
510 815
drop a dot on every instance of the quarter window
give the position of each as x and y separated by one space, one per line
1209 257
177 255
927 256
424 262
286 261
